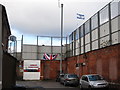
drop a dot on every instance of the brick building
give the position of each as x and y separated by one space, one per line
7 62
94 46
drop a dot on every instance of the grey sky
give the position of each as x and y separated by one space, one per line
42 17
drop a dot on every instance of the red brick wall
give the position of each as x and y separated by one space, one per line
71 63
118 64
50 69
105 61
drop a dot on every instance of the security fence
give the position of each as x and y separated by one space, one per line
43 45
101 30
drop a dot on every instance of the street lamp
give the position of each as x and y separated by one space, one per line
13 39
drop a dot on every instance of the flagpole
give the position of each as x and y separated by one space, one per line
61 38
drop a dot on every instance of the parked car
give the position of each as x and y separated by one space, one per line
93 81
59 77
70 79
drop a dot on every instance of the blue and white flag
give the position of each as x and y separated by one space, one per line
80 16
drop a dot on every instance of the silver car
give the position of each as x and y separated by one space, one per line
70 79
93 81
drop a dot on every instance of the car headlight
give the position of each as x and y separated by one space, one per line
93 84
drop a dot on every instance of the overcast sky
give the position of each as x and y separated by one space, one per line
42 17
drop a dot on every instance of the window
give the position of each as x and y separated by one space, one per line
77 34
74 34
114 9
119 7
81 31
104 16
70 38
72 76
65 76
95 77
31 70
87 27
85 78
94 21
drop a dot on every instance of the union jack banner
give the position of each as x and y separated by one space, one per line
49 57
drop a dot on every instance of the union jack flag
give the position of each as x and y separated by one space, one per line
49 57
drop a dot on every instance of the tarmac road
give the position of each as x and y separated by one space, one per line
50 85
47 84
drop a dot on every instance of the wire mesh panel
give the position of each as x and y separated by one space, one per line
45 45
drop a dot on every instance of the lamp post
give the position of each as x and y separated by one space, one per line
61 38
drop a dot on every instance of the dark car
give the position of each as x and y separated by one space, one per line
59 77
70 79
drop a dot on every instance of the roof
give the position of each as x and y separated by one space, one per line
5 19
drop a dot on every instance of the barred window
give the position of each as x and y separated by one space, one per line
81 31
70 38
94 21
77 34
104 16
87 27
114 9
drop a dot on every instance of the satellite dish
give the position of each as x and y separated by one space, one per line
12 38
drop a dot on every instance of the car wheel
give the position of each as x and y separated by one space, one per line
60 82
90 88
65 84
81 87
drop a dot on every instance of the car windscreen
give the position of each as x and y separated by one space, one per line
95 77
61 75
72 76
